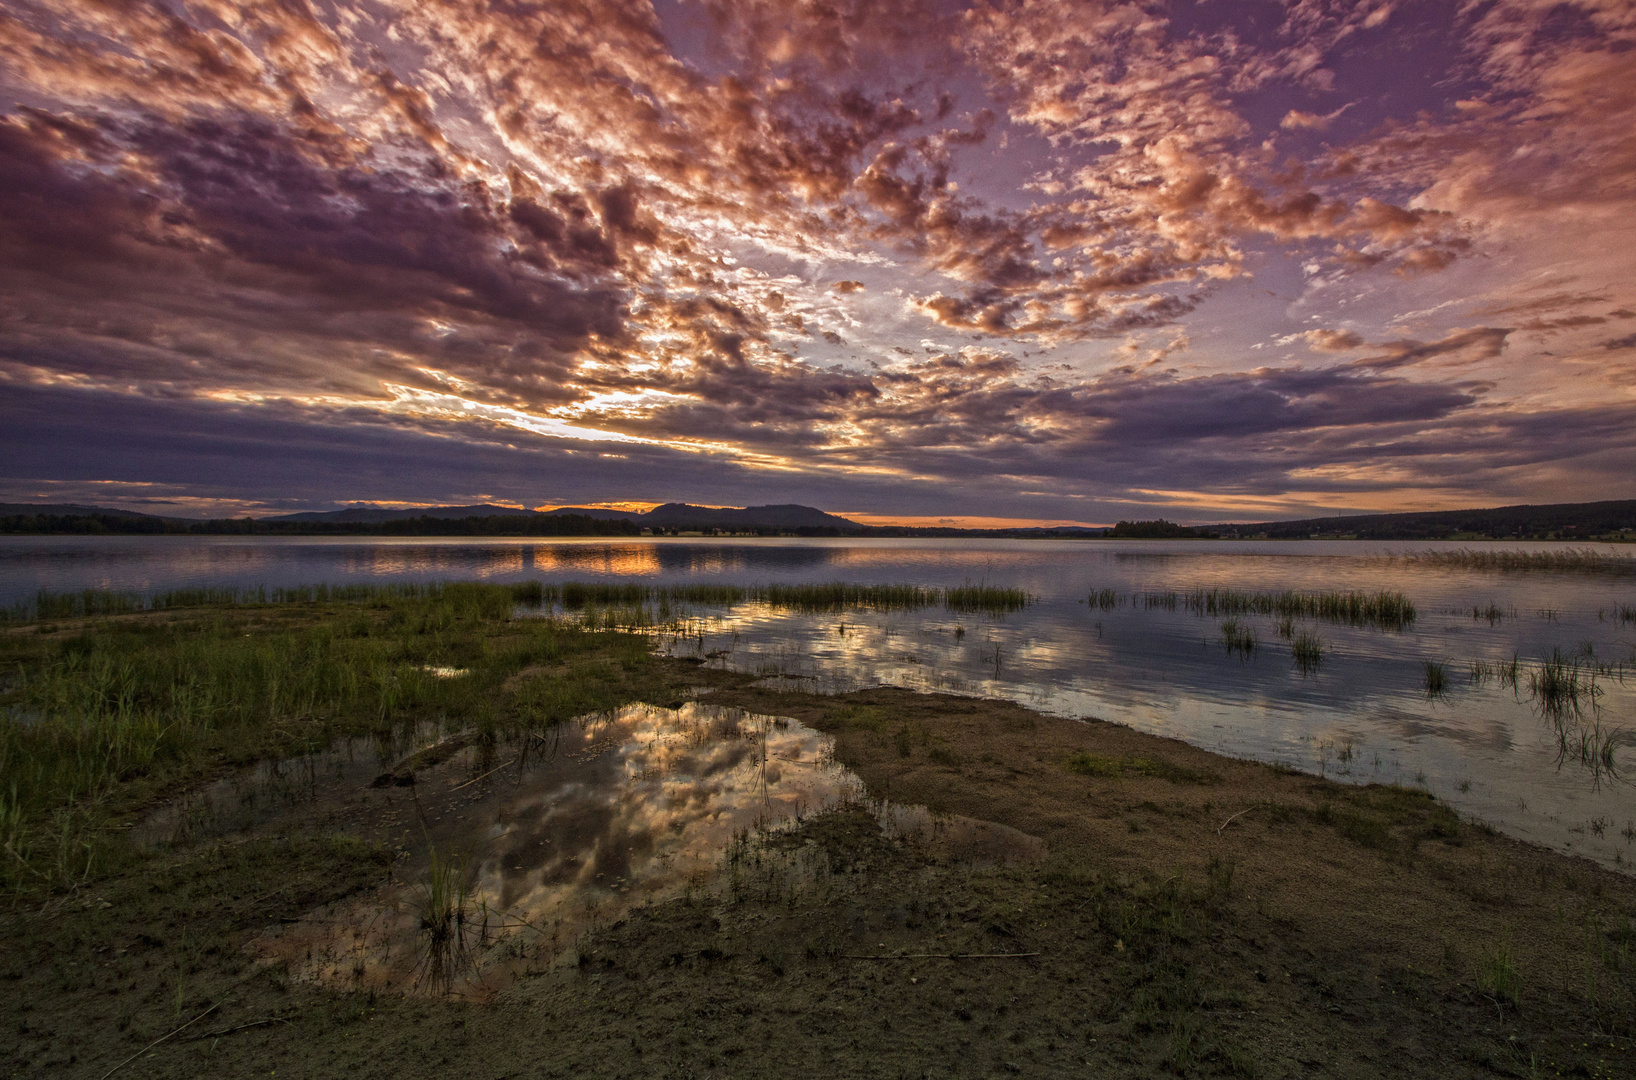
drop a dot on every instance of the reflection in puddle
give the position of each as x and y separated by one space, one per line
519 848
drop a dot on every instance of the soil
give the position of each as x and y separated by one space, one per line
1176 912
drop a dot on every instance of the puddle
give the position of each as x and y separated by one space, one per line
514 850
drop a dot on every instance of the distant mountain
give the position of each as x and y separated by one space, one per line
1559 521
370 515
780 516
668 516
600 513
65 510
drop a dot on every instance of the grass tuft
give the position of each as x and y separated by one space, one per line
1116 768
1308 650
1436 678
1238 637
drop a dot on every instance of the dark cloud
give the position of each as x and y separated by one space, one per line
505 232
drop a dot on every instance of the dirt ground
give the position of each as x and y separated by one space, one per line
1186 914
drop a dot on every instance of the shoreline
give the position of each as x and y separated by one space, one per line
1191 913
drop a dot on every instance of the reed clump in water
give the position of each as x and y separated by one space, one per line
986 599
1308 651
1385 609
445 919
91 603
1579 560
802 598
1104 599
1563 686
1436 678
1238 637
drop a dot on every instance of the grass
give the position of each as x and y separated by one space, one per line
1385 610
1498 977
1117 768
1104 599
1563 686
1435 678
1239 638
1581 560
99 717
806 599
90 603
1308 650
445 912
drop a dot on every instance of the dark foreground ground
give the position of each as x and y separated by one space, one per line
1191 915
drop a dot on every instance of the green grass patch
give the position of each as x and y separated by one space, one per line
103 717
1115 768
1385 610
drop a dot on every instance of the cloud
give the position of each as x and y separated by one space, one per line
462 225
1333 340
1461 347
1296 120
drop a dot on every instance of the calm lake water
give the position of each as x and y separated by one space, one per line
1363 716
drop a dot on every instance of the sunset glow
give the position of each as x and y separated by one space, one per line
915 262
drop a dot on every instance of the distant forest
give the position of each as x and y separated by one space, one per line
1613 520
1563 521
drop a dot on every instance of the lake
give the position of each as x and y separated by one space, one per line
1485 743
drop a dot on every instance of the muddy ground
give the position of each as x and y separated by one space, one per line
1190 915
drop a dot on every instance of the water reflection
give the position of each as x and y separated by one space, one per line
515 850
1482 745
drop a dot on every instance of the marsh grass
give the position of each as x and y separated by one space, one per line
91 603
98 718
445 922
1435 678
1563 686
642 605
1238 637
1104 599
1563 689
1384 610
1578 560
1308 650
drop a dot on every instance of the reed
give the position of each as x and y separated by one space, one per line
1308 651
92 603
1104 599
986 599
445 915
1577 560
1239 638
1384 609
1436 678
96 719
1563 686
803 598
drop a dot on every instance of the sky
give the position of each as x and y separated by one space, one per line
921 262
